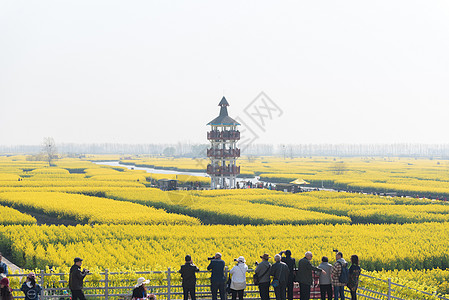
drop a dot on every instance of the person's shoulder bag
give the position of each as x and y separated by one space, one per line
275 283
256 277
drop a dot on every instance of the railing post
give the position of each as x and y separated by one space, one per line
168 283
106 284
389 289
42 284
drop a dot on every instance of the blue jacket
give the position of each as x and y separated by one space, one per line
217 267
5 268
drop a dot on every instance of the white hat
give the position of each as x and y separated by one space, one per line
241 259
140 281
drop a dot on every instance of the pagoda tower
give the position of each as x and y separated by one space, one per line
223 152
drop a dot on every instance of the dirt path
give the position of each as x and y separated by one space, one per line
11 267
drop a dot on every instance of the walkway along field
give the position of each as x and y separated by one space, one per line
166 286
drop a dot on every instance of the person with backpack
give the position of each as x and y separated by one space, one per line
238 279
354 273
304 275
291 264
340 274
31 290
262 277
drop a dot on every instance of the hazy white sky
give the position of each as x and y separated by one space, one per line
154 71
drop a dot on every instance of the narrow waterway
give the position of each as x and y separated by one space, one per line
164 171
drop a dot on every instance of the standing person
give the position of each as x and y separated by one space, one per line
5 290
325 279
238 279
140 290
218 278
31 290
339 267
279 271
188 271
304 275
263 273
291 264
354 273
2 274
76 278
3 265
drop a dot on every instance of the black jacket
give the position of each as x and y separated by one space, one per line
188 274
279 271
217 267
291 264
304 273
139 292
76 278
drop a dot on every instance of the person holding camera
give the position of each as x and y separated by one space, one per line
263 277
238 279
218 278
188 271
76 278
338 282
30 288
291 264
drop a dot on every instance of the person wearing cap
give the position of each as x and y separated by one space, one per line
5 290
279 271
238 279
217 278
76 278
140 290
31 290
291 264
188 271
263 272
3 265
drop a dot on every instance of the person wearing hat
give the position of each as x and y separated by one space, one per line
5 290
76 278
217 278
188 271
291 264
238 279
140 290
263 273
31 290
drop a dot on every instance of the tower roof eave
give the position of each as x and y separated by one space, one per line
223 120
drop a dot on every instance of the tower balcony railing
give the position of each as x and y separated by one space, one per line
223 153
223 170
223 135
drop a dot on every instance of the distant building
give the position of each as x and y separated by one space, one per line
223 152
167 184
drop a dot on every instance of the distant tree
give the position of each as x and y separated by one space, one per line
49 150
169 151
339 168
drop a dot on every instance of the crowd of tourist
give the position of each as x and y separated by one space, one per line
281 276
